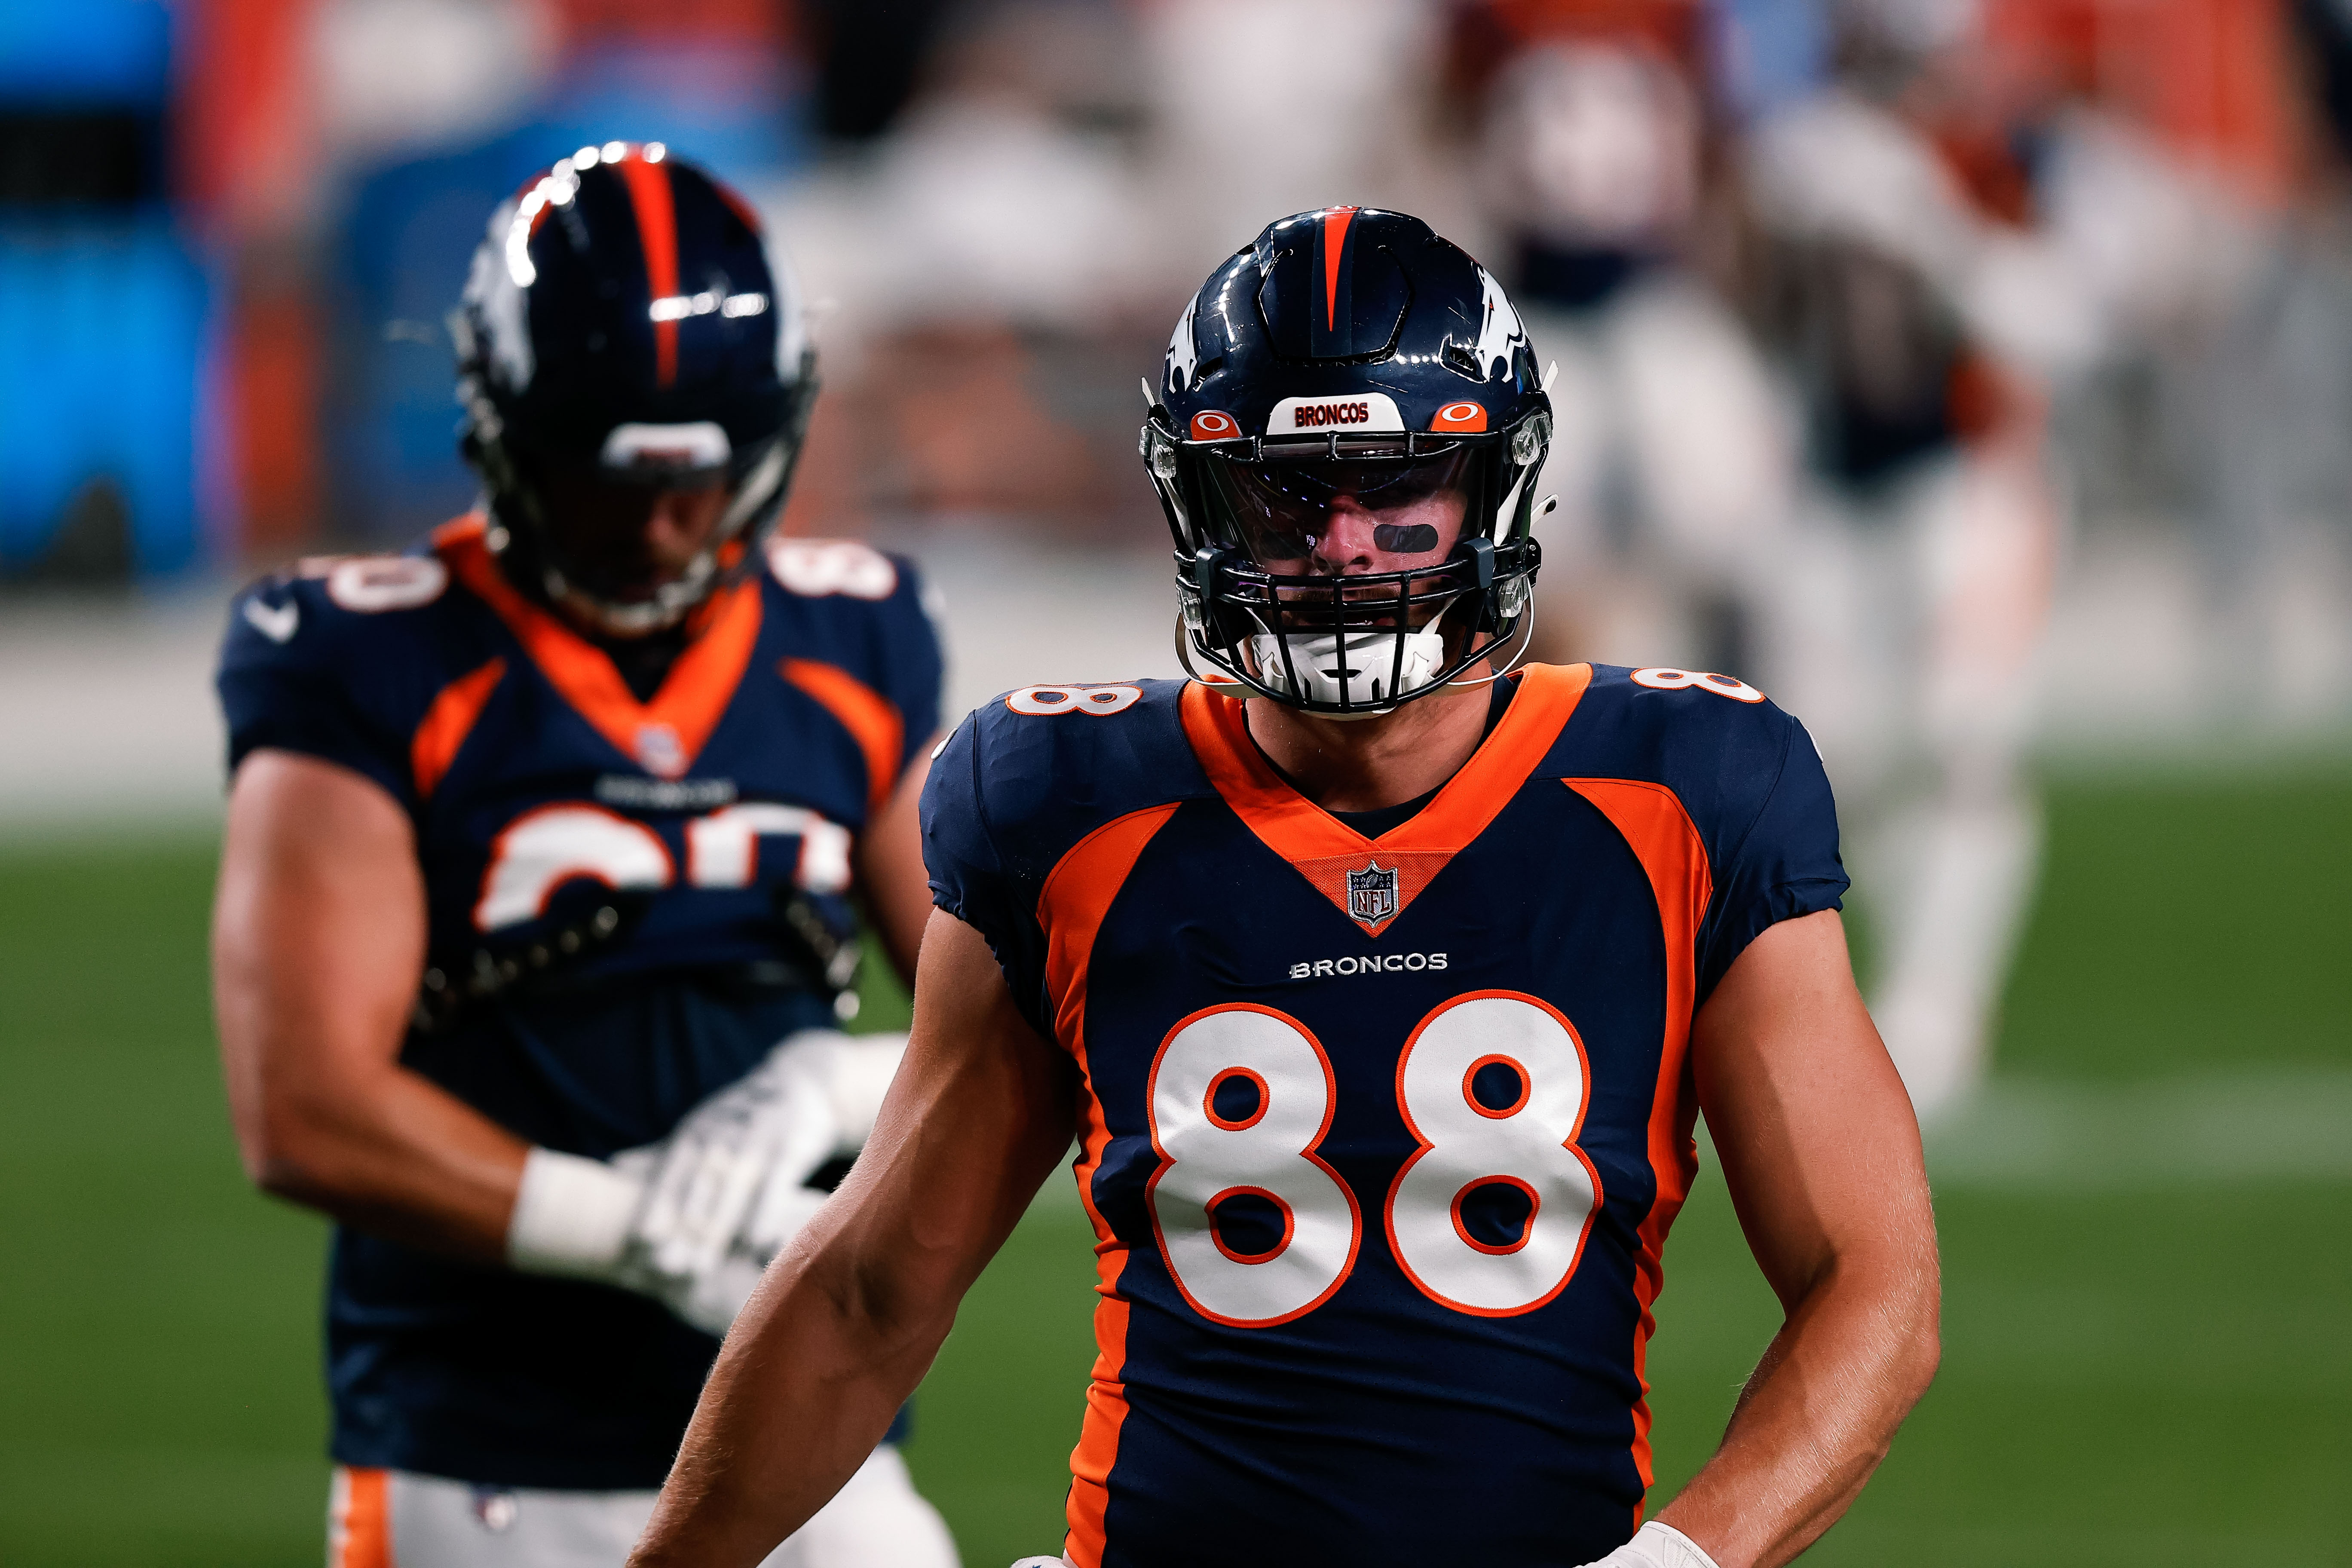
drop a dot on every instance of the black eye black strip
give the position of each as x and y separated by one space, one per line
1404 538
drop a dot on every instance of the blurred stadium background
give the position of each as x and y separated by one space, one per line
1975 375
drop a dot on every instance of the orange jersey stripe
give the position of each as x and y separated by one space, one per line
1097 1447
663 736
359 1520
872 720
1662 837
456 709
1076 896
1323 849
650 199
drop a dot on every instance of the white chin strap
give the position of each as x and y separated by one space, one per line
1350 667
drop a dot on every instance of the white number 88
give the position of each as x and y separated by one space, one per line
1659 679
1039 701
1262 1148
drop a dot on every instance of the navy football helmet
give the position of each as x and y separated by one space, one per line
625 331
1343 438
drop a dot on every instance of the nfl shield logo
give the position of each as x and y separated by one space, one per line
1372 893
659 750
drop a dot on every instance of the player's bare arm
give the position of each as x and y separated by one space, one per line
1821 1155
848 1321
318 940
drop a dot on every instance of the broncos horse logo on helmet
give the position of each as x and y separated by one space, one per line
1343 438
624 332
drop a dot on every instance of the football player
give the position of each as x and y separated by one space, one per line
1671 451
534 918
1914 580
1382 984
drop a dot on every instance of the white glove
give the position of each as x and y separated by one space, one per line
694 1220
1656 1546
578 1218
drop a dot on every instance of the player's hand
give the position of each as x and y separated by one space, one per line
728 1189
1656 1546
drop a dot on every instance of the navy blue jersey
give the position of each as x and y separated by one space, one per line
1381 1136
613 888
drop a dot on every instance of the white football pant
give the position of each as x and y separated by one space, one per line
1665 417
1905 636
396 1519
1901 626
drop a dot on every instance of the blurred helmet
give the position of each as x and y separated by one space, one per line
1596 144
624 332
1343 438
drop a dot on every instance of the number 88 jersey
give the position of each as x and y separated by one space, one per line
1382 1137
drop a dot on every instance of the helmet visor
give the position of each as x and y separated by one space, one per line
1373 509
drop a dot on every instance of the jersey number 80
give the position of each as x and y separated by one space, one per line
1492 1085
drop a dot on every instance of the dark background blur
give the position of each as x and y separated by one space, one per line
232 228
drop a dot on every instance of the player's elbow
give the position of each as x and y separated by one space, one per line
287 1177
1886 1299
1928 1359
1911 1299
293 1148
286 1164
1928 1335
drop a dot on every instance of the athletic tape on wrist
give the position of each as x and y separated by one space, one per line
572 1215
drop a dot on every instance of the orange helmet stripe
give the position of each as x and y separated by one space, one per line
1335 241
649 197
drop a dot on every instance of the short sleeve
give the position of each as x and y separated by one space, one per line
1786 864
281 687
971 879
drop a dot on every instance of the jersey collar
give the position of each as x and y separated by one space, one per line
663 736
1328 852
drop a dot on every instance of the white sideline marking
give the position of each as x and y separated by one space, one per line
2210 1128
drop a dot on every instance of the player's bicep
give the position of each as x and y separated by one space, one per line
318 938
979 1113
1818 1142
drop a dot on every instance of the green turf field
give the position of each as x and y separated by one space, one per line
2148 1237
